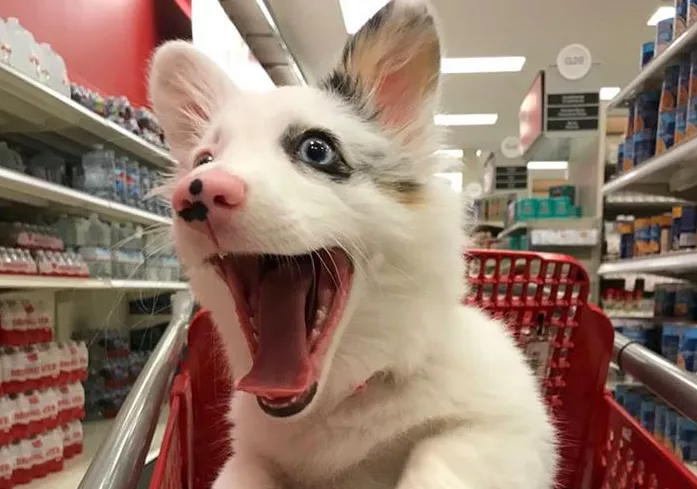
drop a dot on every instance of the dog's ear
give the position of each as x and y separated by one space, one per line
186 90
390 68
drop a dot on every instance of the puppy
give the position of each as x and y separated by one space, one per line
312 227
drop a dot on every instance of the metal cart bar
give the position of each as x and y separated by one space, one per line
119 462
666 380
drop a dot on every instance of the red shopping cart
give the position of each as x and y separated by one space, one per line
544 299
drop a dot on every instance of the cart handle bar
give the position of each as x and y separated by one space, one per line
119 461
665 379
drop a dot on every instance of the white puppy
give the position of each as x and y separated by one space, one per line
312 227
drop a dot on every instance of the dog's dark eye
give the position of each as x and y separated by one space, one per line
316 151
203 159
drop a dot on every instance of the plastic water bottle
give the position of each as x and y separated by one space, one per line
145 188
133 195
98 172
121 180
95 239
10 159
49 167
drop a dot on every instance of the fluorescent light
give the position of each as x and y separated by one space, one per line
608 93
465 119
357 12
661 13
491 64
478 153
454 153
455 179
548 165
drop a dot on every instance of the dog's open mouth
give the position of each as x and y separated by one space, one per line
289 308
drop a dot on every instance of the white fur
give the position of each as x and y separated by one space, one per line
450 401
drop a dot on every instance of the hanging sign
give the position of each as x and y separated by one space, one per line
573 111
511 178
510 147
574 61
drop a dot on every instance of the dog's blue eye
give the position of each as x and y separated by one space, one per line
316 151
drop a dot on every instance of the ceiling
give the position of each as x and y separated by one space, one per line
613 31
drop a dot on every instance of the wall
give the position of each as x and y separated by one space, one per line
106 44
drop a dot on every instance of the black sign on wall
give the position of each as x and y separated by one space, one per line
573 111
511 178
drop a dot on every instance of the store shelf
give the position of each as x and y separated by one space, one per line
514 230
633 202
26 106
493 225
563 237
652 74
578 224
69 283
624 314
660 174
94 434
23 188
679 263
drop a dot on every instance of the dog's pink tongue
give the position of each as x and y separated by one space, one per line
281 365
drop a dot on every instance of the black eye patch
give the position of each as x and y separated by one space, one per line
317 149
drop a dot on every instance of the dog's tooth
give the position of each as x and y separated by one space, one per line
320 316
314 336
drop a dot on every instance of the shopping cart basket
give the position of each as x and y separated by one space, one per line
544 300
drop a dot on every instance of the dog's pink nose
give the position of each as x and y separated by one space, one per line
208 194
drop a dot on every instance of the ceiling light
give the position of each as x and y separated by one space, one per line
491 64
478 153
357 12
608 93
465 119
548 165
661 13
454 153
455 179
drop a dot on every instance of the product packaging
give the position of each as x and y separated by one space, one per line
692 98
683 100
686 446
665 136
645 125
664 35
688 227
647 52
688 349
628 157
680 22
672 337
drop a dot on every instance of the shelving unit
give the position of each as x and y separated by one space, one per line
667 174
650 189
622 314
659 183
652 74
570 231
629 202
35 117
76 283
515 229
678 263
23 188
492 225
40 114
